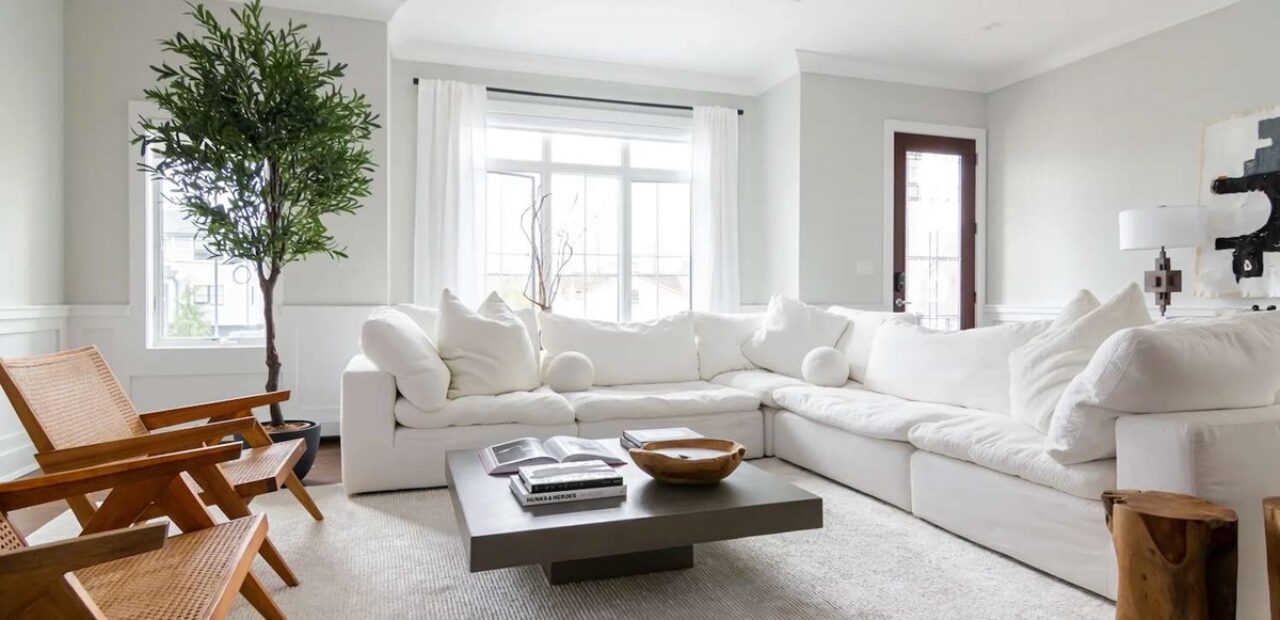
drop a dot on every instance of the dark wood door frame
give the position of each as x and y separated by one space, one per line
967 149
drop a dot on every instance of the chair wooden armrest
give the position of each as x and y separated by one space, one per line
63 556
38 490
142 445
192 413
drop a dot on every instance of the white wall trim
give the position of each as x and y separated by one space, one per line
26 330
979 136
16 313
1004 313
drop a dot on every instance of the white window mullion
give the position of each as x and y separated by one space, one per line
624 236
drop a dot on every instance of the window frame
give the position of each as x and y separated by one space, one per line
152 242
624 172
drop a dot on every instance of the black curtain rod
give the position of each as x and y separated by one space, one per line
643 104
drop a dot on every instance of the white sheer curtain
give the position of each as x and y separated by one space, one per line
448 239
714 233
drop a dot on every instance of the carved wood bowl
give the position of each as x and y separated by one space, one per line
689 461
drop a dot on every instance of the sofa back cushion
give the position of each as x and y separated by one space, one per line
488 351
720 340
399 347
1178 365
658 351
426 317
791 329
967 368
1041 370
856 341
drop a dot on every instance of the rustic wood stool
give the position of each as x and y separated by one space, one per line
1176 556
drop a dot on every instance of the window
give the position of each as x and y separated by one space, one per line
194 298
619 195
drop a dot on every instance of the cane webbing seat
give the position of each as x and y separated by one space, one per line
10 539
184 580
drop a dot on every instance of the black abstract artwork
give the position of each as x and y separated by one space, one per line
1261 174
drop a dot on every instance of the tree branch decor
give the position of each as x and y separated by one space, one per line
261 142
549 253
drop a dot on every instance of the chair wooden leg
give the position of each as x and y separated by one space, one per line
225 498
257 596
304 498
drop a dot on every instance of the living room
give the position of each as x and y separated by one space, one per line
919 265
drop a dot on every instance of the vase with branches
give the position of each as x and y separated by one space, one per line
549 253
261 143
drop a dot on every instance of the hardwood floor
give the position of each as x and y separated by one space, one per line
326 470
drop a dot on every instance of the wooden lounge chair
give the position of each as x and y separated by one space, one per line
116 571
76 414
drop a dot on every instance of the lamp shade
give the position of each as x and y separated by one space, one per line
1152 228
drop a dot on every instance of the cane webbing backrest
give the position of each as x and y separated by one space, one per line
69 399
10 539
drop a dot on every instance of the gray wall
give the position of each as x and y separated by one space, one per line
31 168
109 46
842 169
1071 148
770 259
404 156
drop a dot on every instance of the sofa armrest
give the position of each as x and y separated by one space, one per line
368 419
1228 457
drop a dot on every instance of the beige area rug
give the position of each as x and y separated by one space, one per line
397 555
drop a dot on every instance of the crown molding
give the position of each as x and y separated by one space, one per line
499 60
847 66
376 10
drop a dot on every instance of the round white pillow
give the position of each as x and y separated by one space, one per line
825 366
570 372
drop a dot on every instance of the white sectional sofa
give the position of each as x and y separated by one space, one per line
982 474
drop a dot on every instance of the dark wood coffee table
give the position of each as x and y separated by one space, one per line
653 529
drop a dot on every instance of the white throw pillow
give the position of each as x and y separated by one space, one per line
570 372
720 340
1198 365
967 368
1040 370
1083 303
790 331
488 351
856 341
426 318
395 344
661 351
825 366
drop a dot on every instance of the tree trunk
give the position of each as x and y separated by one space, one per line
1176 556
268 286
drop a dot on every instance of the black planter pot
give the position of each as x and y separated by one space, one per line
311 435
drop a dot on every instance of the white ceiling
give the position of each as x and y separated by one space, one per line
747 45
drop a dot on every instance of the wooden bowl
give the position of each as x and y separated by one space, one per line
689 461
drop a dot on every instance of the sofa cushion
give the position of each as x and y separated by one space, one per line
968 368
720 340
1010 447
656 400
856 341
398 346
1040 370
426 317
1177 365
488 350
660 351
760 383
541 407
858 410
791 330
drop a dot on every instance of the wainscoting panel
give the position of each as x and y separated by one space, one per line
315 343
25 330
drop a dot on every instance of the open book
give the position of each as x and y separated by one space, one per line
507 457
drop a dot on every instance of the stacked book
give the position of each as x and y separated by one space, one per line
566 482
637 439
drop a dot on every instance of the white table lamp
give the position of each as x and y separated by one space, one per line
1153 228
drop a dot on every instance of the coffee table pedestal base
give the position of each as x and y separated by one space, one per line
587 569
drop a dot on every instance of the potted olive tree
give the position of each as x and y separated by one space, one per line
261 143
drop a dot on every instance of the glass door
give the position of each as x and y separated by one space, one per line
934 229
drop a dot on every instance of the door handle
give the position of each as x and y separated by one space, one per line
901 303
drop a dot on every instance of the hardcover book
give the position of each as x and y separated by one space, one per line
534 499
509 456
